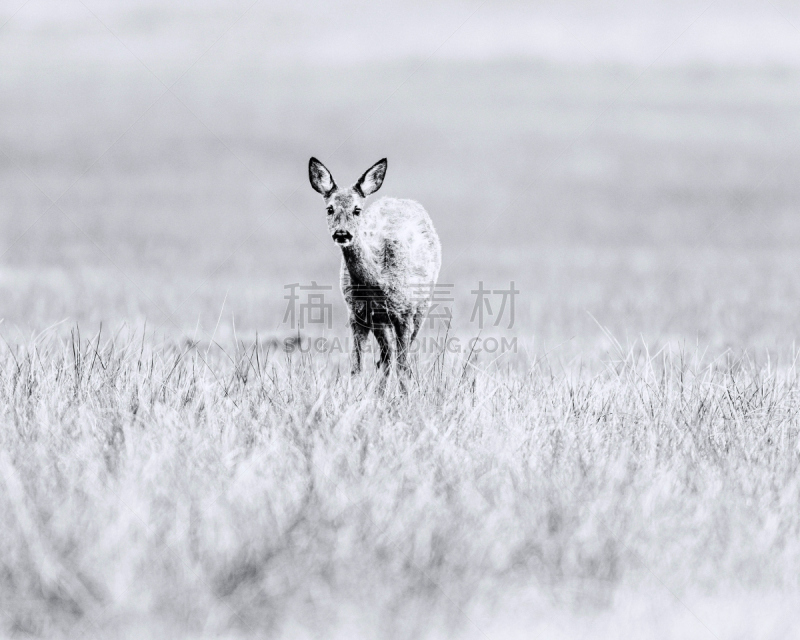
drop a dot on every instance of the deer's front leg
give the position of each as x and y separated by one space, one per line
360 336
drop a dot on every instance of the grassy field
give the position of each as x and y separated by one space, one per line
154 490
167 470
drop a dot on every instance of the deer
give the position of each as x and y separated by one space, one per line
391 256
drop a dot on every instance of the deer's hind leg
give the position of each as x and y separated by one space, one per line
404 330
419 318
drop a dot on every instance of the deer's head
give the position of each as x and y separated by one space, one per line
344 206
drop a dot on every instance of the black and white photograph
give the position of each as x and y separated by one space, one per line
350 320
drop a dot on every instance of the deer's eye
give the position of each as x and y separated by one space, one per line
356 211
330 211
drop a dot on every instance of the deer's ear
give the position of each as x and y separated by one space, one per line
321 179
372 179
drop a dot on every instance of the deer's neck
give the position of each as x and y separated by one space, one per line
361 266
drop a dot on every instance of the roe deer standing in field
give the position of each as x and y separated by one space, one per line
391 257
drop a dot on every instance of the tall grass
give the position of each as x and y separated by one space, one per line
182 490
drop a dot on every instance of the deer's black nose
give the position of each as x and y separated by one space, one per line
341 236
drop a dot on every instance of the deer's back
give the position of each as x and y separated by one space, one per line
402 240
402 244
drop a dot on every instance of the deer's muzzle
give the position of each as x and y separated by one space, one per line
342 237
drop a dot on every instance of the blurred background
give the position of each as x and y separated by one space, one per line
632 165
